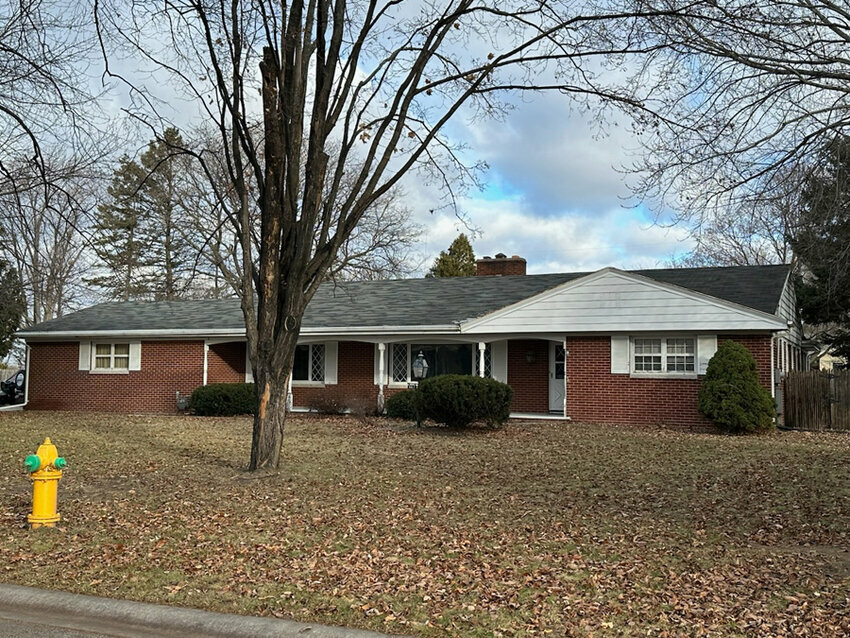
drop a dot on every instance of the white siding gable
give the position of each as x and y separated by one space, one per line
788 311
615 301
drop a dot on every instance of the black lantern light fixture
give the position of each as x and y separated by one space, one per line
420 367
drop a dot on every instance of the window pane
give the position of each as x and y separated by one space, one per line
647 363
488 362
560 361
122 363
647 346
317 363
399 362
122 348
103 348
102 362
454 359
447 358
301 366
680 346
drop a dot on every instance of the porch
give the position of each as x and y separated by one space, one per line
364 372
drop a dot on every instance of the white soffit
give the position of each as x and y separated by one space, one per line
612 300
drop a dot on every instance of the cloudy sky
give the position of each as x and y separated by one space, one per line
555 194
555 191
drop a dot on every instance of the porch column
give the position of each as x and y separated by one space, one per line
206 359
482 346
289 393
566 353
381 349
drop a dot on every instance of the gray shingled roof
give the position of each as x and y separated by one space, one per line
412 302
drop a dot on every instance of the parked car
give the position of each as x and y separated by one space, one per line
12 389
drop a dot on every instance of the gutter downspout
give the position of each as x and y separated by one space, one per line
21 406
206 360
773 365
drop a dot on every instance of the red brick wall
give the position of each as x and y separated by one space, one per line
226 362
594 394
530 381
355 386
55 383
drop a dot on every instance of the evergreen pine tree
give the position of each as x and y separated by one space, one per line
117 237
457 261
165 226
821 242
12 306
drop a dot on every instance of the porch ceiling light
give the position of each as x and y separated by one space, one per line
420 367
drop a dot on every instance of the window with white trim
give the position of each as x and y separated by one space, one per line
444 358
309 364
660 355
111 356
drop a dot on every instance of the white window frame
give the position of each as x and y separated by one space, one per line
664 372
311 383
93 367
390 371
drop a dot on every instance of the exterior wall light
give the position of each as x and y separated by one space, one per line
420 367
420 371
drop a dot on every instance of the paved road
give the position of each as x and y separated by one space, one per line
26 612
16 629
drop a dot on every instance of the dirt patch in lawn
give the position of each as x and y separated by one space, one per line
536 528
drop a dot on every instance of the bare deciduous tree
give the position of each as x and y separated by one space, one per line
43 232
376 82
746 95
43 85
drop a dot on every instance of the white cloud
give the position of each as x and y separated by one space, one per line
563 242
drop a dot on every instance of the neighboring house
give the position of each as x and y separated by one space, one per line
824 360
612 346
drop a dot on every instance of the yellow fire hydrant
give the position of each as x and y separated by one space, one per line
45 468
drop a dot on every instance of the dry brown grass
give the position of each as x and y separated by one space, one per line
536 528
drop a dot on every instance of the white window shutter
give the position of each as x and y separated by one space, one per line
249 373
499 360
331 355
378 364
135 355
85 355
706 347
620 361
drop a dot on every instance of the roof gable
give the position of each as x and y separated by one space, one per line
612 300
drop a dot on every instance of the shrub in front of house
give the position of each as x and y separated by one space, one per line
337 401
461 400
224 399
731 395
402 405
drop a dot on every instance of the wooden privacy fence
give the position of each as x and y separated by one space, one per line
817 401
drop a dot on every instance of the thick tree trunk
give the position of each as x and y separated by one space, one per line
269 422
271 378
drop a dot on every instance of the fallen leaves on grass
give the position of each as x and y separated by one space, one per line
533 529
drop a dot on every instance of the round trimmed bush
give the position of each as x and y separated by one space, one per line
402 405
460 400
731 395
224 399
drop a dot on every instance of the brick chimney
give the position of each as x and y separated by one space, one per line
500 265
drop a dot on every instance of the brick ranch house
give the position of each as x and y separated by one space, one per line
607 346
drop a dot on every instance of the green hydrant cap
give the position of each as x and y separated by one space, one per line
60 462
32 463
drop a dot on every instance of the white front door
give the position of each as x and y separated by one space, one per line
557 381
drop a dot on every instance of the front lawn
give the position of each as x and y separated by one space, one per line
566 529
